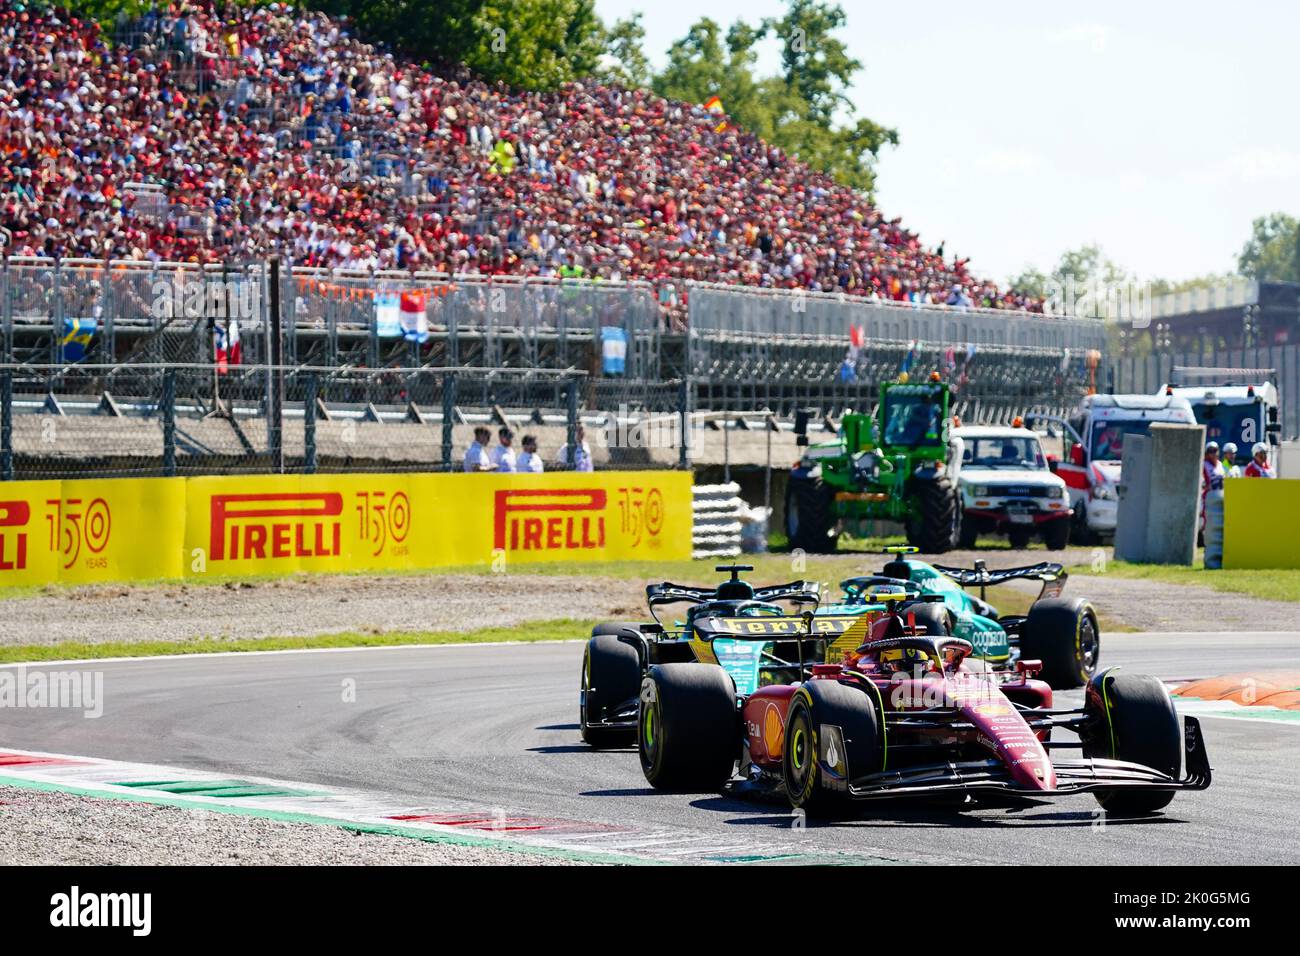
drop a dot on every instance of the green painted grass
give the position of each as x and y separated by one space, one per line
1277 585
556 630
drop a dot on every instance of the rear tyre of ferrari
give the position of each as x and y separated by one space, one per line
688 731
611 675
816 706
1134 720
1063 634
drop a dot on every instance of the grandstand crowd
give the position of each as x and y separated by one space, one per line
202 133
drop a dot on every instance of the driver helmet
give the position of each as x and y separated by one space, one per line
896 660
880 593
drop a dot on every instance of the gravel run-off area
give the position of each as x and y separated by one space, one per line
325 604
63 829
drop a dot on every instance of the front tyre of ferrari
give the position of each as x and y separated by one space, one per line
815 708
688 728
1063 634
611 675
1133 718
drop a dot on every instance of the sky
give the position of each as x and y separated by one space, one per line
1158 130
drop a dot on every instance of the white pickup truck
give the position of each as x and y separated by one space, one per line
1008 488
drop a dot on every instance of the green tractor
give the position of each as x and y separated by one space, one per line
896 465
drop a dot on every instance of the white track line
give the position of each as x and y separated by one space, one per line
202 655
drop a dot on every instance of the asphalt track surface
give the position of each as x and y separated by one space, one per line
497 725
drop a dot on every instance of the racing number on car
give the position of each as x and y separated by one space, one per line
641 512
382 518
72 528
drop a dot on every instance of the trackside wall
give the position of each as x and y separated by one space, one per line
137 529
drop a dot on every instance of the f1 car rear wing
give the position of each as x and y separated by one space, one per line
762 628
804 628
1051 574
796 592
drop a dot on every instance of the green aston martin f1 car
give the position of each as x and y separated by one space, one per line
1061 632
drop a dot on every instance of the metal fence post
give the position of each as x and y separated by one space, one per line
109 306
6 425
56 339
726 449
571 417
169 422
684 415
309 424
275 391
8 305
448 418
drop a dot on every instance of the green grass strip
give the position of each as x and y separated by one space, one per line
528 632
1276 585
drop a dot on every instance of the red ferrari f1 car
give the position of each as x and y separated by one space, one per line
908 714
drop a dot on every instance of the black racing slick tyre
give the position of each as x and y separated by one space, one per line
936 527
688 732
1133 720
832 733
810 515
1063 634
614 627
611 675
932 616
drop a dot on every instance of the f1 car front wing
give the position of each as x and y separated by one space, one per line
1072 776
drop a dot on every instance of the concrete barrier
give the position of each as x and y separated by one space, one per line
1160 495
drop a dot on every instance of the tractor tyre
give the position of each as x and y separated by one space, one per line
810 516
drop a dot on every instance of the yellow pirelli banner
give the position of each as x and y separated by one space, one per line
1261 523
149 528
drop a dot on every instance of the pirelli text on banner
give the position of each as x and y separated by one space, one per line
164 528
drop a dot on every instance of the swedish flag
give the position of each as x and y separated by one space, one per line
77 336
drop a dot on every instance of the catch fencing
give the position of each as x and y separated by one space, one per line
165 420
131 312
737 310
90 348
